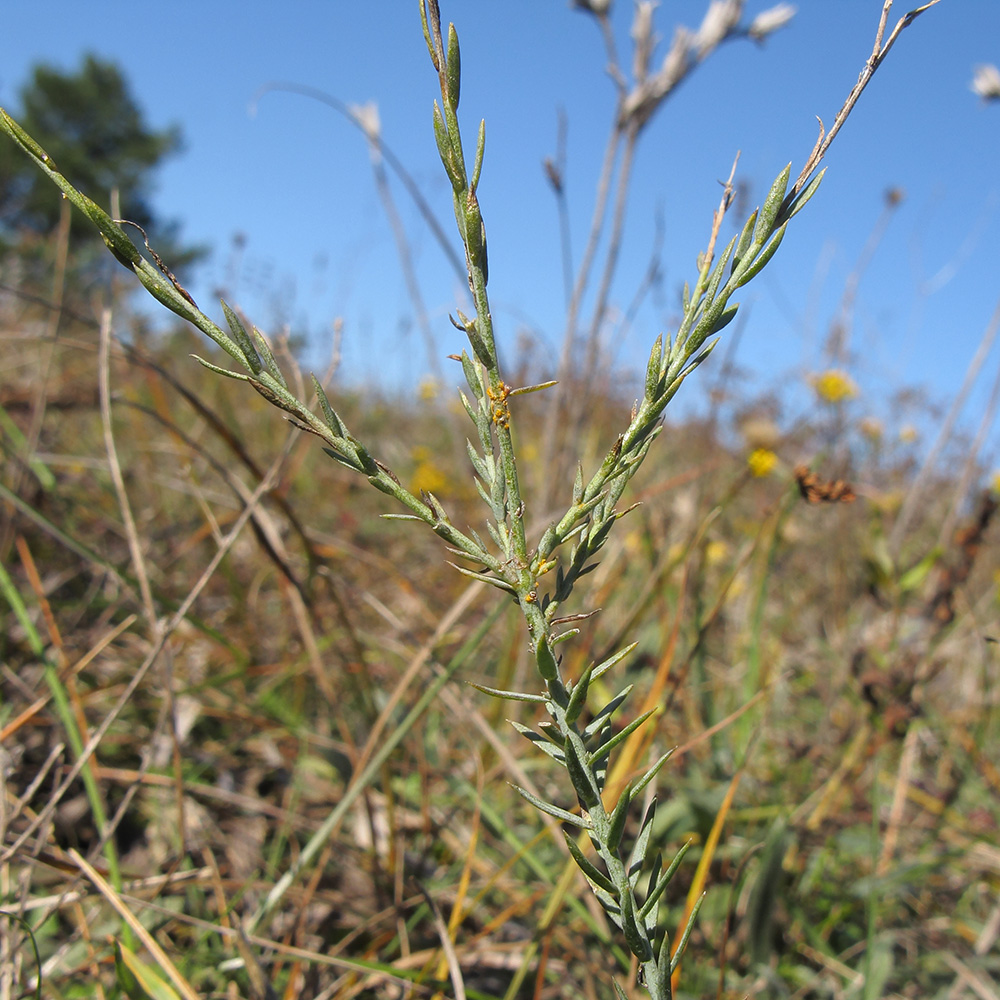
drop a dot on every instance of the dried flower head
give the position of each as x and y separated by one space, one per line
986 82
770 20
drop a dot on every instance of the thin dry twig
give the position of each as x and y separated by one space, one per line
879 52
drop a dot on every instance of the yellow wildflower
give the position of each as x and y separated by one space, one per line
995 482
834 386
715 552
908 434
762 462
428 389
427 475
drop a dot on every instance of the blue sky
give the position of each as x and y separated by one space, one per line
295 178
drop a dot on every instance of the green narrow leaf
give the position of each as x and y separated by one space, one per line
329 414
605 748
578 697
652 772
772 204
477 167
803 196
564 636
663 881
588 868
757 265
638 856
453 74
606 665
138 980
916 575
616 822
713 281
349 460
221 371
545 661
242 338
580 773
268 355
725 318
542 742
551 810
471 375
596 724
746 238
634 938
493 581
653 368
688 927
497 692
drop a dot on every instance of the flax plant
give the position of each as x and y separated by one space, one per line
628 879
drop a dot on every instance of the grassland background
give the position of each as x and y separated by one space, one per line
827 671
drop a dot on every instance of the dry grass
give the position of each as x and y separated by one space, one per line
807 685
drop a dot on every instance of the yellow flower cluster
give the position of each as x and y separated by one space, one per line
762 462
427 475
834 386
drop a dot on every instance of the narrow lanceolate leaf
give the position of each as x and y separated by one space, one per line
802 197
545 661
616 822
648 917
471 375
589 868
541 742
597 723
713 282
602 668
553 810
772 204
653 368
477 166
221 371
578 697
765 255
564 636
349 460
443 144
509 695
658 972
493 581
478 462
329 414
725 318
688 927
634 938
746 238
605 748
663 881
453 74
538 387
578 484
242 338
651 773
580 774
642 842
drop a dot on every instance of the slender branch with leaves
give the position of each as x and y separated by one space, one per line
628 880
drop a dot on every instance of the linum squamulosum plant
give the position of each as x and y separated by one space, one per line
627 879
